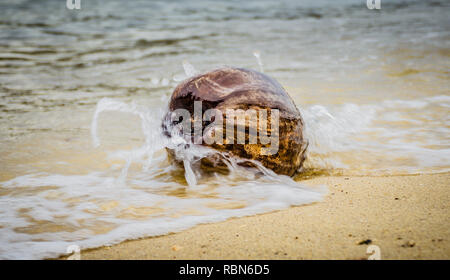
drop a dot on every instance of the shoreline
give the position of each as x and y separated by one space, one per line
406 216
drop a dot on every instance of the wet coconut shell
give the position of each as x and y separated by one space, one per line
237 88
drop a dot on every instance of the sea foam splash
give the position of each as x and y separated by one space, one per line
101 208
389 137
44 213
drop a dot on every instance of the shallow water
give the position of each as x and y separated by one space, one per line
373 88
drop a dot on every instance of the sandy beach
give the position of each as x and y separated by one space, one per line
407 217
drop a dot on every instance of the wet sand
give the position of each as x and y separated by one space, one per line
408 217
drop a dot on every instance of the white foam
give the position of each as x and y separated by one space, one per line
189 69
82 204
145 199
408 131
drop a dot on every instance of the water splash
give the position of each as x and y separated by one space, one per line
144 198
257 54
400 134
189 70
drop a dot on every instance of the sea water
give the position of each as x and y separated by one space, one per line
83 93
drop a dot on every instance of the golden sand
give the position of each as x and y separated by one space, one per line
407 217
